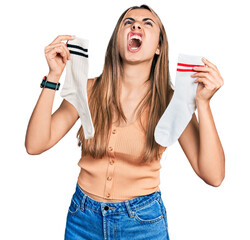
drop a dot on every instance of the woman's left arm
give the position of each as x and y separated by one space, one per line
205 154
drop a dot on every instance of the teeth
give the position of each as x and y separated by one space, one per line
135 37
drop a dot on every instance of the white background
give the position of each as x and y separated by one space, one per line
36 190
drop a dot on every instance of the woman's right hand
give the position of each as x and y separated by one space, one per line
57 54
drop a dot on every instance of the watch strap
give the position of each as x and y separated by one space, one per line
48 84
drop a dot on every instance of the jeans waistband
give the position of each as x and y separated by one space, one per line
126 205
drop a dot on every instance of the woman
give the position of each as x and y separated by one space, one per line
117 194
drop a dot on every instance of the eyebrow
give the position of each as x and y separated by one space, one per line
144 19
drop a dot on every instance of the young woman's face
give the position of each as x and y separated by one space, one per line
140 21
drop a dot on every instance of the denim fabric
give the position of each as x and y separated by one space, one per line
139 218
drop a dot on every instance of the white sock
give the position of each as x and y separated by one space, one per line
75 85
182 105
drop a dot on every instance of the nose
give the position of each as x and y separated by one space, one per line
136 25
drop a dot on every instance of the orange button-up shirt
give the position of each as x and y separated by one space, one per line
120 175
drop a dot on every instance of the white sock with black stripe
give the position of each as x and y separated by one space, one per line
75 85
182 105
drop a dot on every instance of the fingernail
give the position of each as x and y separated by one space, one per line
73 36
204 59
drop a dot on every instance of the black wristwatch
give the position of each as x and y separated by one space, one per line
50 85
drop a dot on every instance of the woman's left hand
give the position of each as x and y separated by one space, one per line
209 81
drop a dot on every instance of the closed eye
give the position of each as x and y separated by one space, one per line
131 22
127 22
149 23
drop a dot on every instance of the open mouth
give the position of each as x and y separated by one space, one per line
134 44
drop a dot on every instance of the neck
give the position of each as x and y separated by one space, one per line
135 77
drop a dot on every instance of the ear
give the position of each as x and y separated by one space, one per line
157 50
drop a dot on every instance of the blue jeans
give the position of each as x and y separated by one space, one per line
139 218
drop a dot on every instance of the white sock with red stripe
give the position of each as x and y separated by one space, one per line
182 105
75 85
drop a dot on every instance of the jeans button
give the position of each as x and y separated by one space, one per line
106 208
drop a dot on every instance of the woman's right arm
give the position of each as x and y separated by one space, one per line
45 129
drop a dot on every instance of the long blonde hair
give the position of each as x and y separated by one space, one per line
104 97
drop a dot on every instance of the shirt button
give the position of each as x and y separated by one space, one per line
108 194
111 161
110 149
109 178
114 131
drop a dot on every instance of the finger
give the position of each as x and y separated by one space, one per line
205 76
54 51
49 47
66 50
209 63
60 38
210 86
61 44
204 69
205 81
207 70
201 74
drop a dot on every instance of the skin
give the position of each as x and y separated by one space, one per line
199 141
137 65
